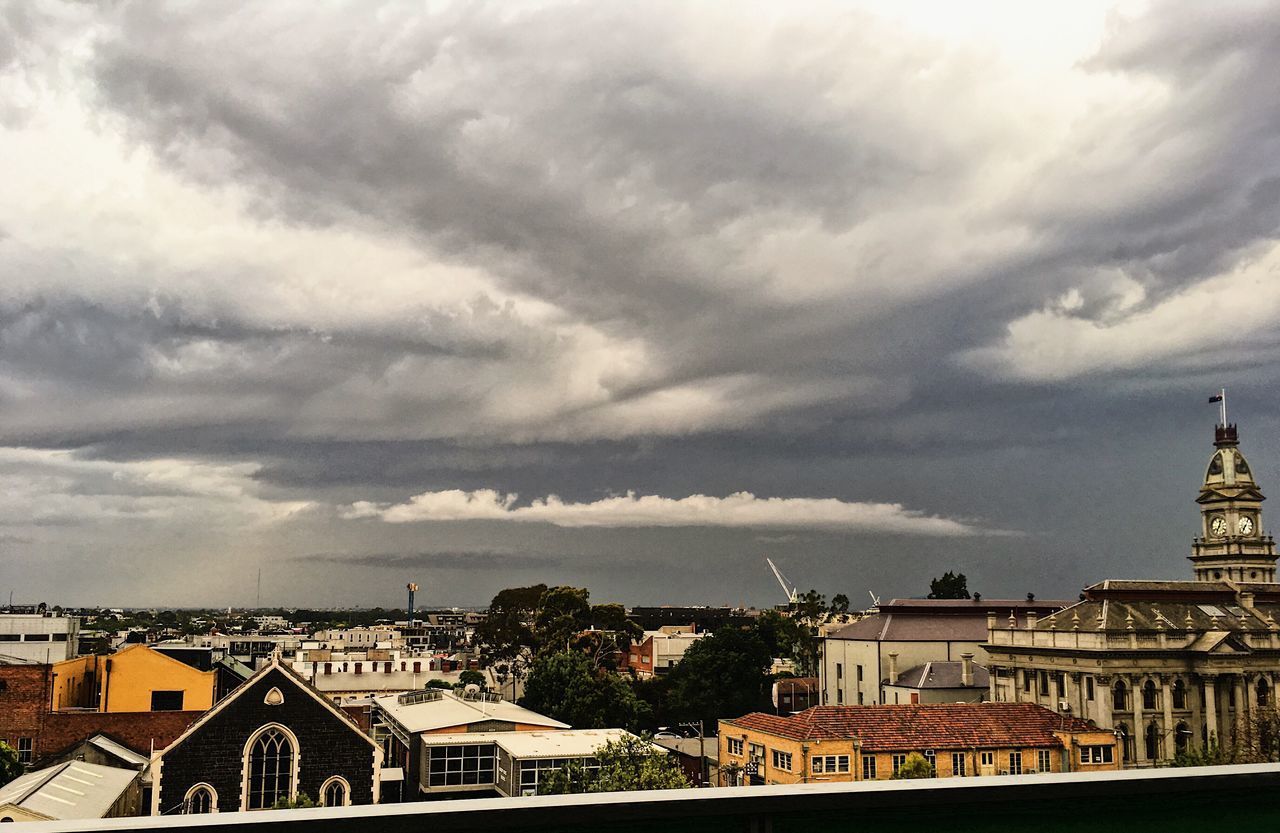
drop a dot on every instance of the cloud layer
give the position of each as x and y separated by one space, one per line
742 509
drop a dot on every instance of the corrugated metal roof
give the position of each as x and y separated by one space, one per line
450 710
72 790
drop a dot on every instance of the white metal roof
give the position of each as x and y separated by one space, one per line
72 790
122 752
565 743
451 710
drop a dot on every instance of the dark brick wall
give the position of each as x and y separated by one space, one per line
328 745
140 731
24 697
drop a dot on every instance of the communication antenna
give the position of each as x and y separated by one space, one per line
259 604
787 587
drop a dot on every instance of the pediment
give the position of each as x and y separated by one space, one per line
1214 495
1219 643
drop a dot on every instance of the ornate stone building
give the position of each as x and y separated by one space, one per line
1163 663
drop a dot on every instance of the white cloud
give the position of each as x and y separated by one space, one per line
741 509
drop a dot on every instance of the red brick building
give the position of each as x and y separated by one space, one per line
24 706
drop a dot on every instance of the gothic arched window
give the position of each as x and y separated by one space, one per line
1126 742
335 793
270 768
1179 694
200 799
1119 696
1149 695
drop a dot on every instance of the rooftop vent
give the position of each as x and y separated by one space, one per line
414 697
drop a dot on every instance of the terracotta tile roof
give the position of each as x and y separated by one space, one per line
916 727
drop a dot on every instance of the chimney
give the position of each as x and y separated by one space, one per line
1246 599
991 620
966 670
1032 618
893 669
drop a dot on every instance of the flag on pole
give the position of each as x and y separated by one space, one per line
1215 398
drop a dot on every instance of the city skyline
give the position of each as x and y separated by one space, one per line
626 298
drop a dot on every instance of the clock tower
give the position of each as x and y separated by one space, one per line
1231 545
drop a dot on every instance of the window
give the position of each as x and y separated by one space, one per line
270 768
735 746
1044 760
200 799
860 698
1119 700
166 701
1044 683
1088 689
896 762
932 758
859 673
1015 763
782 760
532 771
24 750
1179 694
839 696
988 759
1264 693
1026 680
335 793
839 671
830 764
462 765
756 751
1096 755
868 767
1149 695
957 763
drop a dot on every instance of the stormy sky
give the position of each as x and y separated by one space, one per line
625 295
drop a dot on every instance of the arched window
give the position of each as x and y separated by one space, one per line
1179 694
1149 695
1153 741
1181 736
1264 693
1126 742
269 765
335 792
201 798
1119 698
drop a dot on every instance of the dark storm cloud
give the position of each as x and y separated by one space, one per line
657 248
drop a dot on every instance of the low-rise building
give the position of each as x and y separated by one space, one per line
795 694
868 743
136 679
72 790
939 682
39 636
659 651
400 722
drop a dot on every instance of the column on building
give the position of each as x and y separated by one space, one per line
1242 707
1210 707
1167 740
1224 708
1019 676
1102 696
1139 726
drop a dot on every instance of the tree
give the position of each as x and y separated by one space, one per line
721 675
915 766
10 767
629 763
439 683
563 613
950 586
470 677
567 686
839 604
508 628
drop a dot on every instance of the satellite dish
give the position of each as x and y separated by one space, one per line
471 690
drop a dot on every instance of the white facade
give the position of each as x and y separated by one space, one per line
35 637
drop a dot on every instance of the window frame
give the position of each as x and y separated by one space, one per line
331 782
736 747
205 788
1015 762
1044 760
781 760
869 768
959 764
246 763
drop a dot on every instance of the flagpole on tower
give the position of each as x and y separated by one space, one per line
1222 395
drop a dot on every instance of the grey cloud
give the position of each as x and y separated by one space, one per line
478 560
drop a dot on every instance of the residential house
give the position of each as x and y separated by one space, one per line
868 743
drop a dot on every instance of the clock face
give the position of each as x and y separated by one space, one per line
1218 526
1245 525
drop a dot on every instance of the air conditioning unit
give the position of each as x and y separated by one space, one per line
1064 706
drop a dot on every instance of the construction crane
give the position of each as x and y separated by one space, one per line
787 587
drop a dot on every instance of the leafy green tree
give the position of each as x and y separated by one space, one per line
915 766
949 586
839 604
563 613
298 802
470 677
438 683
1208 755
508 629
567 686
10 768
629 763
721 675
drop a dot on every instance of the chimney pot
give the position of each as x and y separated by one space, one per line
893 669
966 670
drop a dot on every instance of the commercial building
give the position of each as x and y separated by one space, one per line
868 743
39 636
402 724
1166 664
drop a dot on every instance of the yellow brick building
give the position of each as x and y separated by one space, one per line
137 679
867 743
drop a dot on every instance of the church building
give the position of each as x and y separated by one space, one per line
1162 663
